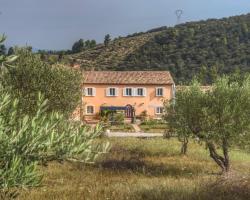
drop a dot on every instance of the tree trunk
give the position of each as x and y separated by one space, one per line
223 162
226 155
184 146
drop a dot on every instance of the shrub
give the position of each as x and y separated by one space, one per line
143 116
118 118
28 141
114 117
105 115
152 122
5 61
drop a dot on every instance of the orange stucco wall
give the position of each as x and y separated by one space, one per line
148 102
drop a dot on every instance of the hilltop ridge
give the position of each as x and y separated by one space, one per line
204 47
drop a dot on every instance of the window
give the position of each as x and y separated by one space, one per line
90 110
159 110
159 92
128 92
140 91
112 92
89 91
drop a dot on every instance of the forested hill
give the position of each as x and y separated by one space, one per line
186 50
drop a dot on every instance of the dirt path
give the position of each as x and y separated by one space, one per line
137 128
125 134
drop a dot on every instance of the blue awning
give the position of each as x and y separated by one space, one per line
113 108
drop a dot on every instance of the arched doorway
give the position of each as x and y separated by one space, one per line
129 112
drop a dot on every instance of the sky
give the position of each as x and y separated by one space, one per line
57 24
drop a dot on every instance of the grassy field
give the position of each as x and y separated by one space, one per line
144 169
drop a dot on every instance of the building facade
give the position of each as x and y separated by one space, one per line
139 91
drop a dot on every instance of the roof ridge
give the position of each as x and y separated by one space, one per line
128 77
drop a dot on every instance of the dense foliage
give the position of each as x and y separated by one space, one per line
29 141
31 131
5 61
82 45
60 85
107 40
219 116
185 50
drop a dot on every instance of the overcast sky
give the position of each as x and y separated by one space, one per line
56 24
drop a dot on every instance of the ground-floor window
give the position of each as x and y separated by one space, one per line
159 110
90 110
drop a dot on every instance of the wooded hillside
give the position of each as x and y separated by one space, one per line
204 47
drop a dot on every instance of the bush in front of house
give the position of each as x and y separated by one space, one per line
154 125
118 118
153 122
113 117
104 116
143 116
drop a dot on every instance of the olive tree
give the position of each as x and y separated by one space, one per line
219 117
183 114
60 85
26 142
5 61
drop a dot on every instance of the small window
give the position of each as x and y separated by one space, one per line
112 92
159 110
90 110
159 92
89 91
140 91
128 92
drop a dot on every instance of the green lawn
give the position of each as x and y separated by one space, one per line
121 128
155 128
144 169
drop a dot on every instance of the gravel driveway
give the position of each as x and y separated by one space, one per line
126 134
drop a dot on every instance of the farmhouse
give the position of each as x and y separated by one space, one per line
131 92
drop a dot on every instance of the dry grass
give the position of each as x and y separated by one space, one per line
141 169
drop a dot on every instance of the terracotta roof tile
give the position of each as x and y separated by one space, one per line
128 77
